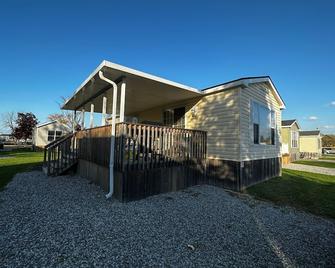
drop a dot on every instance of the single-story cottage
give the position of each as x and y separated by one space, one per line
48 132
164 135
310 144
290 139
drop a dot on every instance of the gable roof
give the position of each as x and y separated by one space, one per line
46 123
309 133
245 81
289 123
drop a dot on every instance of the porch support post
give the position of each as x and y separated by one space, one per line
74 121
122 101
104 108
83 118
92 116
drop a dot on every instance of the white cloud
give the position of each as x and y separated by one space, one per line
329 126
332 103
312 118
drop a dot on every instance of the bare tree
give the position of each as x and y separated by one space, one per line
68 118
9 120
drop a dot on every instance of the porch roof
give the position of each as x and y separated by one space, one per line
143 91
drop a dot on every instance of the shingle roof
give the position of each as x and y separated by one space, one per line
309 133
287 123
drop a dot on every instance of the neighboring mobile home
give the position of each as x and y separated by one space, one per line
170 136
310 144
48 132
290 139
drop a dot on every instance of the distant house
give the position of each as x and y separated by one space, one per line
6 138
48 132
310 144
290 139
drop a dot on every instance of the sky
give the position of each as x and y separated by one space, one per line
48 48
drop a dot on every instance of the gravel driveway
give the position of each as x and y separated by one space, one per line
67 222
313 169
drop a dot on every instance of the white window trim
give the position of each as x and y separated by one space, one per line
251 114
297 133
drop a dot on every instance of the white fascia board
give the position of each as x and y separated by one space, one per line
223 87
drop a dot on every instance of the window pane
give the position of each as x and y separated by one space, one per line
273 136
256 133
255 113
58 133
179 117
168 118
264 125
51 135
273 119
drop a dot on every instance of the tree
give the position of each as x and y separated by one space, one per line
25 123
9 121
66 117
328 141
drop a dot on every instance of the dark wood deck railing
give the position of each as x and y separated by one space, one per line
139 146
60 155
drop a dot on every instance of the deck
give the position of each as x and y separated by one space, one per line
148 159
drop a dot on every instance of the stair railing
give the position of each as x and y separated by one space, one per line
60 155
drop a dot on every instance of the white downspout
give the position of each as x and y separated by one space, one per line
111 158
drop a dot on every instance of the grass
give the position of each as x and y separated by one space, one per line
328 157
311 192
16 162
315 163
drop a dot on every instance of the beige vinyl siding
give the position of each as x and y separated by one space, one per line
40 134
310 144
218 114
262 94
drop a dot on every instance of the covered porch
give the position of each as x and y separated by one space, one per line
134 152
136 95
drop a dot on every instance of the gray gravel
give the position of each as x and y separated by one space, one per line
313 169
67 222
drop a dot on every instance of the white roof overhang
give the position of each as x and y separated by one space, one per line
143 91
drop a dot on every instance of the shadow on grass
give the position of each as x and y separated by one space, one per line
8 172
311 192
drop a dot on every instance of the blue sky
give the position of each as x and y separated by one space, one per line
47 48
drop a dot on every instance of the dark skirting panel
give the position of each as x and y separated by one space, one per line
237 176
137 184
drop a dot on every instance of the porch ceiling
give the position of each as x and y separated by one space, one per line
143 91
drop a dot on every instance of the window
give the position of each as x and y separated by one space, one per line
174 117
58 134
294 139
51 135
264 124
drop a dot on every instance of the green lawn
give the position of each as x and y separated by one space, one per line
17 161
315 163
327 157
311 192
